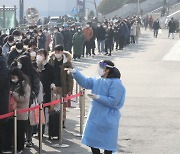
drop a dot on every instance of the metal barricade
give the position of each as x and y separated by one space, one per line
15 131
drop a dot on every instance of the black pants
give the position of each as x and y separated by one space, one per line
132 39
76 56
155 33
8 134
88 47
117 44
21 128
29 131
121 42
97 151
108 45
2 135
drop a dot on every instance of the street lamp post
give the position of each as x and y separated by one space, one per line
165 2
96 8
21 11
95 5
138 7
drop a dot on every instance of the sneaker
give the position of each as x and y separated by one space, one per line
19 151
29 144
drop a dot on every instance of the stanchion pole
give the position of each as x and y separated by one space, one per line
61 122
83 102
76 92
82 110
40 128
15 131
61 145
78 89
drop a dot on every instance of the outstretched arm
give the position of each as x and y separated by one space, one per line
81 79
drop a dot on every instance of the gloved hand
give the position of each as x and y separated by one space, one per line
93 96
53 87
70 70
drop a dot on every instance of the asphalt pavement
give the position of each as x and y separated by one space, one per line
150 117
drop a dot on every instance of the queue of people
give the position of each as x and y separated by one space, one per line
24 71
36 59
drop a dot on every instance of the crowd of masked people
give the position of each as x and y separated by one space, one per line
32 66
26 67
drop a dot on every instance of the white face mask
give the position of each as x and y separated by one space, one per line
31 30
87 25
79 30
28 36
14 80
33 54
19 65
45 31
101 72
10 43
18 38
58 56
19 50
55 31
39 58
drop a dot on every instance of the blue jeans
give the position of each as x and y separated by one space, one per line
101 46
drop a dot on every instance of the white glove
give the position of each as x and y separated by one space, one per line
70 70
93 96
53 86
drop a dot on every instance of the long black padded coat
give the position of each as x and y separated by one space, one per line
4 86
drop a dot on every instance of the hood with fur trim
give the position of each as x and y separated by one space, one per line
67 57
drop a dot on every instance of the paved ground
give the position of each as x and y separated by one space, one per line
150 118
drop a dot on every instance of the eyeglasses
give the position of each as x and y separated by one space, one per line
104 65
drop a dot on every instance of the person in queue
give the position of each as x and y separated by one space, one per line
58 38
78 44
15 52
7 46
4 98
41 38
88 33
46 74
63 82
32 51
20 90
108 96
25 65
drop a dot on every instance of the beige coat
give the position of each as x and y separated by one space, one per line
133 30
22 101
138 30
